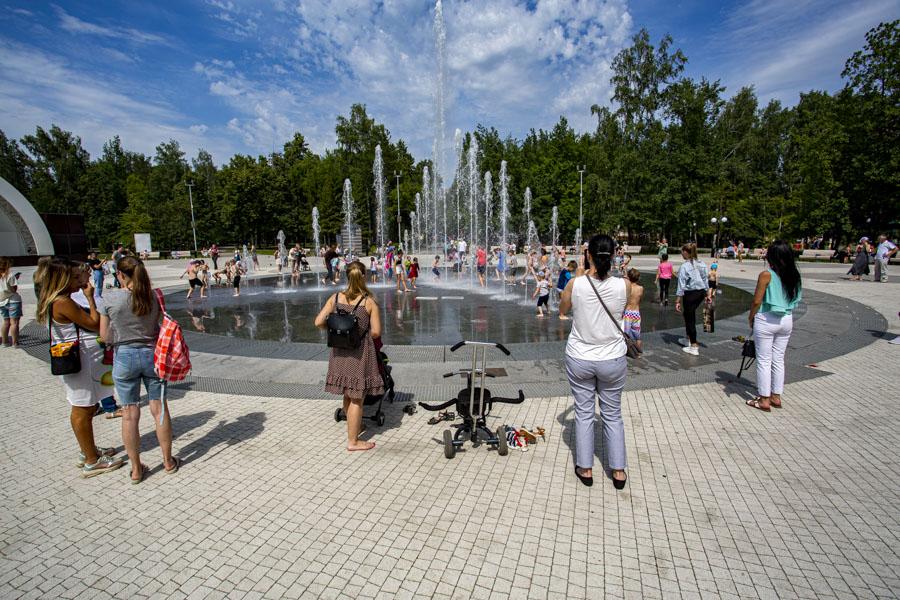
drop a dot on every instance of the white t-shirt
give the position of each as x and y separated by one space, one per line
543 287
594 336
883 249
462 246
7 295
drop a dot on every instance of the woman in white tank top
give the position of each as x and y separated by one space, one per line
595 359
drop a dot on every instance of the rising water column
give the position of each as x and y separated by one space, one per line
488 208
472 168
504 206
349 214
437 178
378 172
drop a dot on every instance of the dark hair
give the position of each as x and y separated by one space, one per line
633 275
665 256
781 260
600 249
141 289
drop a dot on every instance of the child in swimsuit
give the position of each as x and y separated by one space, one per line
632 314
414 272
373 269
434 267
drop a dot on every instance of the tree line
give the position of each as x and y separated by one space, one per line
671 153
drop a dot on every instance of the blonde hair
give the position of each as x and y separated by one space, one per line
55 281
356 281
5 264
691 250
141 290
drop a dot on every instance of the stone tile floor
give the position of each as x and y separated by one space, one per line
722 501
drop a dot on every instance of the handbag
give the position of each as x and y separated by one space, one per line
748 355
631 347
343 327
65 357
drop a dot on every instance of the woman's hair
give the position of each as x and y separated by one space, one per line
600 249
55 281
5 264
572 265
691 250
665 257
141 290
356 281
416 259
781 260
633 275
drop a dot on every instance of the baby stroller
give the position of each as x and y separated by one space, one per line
377 399
304 264
474 404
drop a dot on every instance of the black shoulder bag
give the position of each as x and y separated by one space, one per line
632 350
65 357
343 327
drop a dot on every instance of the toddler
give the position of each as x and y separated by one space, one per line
542 293
632 314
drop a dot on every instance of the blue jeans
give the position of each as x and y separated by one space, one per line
131 366
98 281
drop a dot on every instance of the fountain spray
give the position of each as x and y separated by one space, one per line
378 172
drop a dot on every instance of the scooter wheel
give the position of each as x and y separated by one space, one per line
502 447
449 448
339 415
379 418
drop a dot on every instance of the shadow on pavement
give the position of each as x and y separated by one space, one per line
226 433
181 424
743 387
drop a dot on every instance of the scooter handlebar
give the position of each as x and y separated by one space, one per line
459 345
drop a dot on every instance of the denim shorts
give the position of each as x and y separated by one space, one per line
131 366
12 310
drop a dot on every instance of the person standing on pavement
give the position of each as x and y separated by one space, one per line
330 255
129 322
119 253
96 271
595 358
214 255
886 250
10 304
778 291
693 289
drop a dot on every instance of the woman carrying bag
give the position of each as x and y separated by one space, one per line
595 358
353 369
778 291
75 355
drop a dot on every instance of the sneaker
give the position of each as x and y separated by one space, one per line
684 341
103 465
692 350
100 452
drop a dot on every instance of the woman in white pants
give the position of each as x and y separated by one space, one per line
778 291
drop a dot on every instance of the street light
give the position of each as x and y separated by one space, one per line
190 186
718 223
581 169
397 174
694 231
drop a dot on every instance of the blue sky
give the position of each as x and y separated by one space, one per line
242 75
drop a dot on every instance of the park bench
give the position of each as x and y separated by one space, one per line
153 255
176 254
817 254
758 253
632 249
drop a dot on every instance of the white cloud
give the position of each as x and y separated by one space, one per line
73 24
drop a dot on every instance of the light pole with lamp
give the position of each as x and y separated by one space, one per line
190 186
694 231
581 170
397 174
718 223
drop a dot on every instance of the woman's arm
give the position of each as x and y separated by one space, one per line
565 300
374 318
104 328
66 307
322 317
762 282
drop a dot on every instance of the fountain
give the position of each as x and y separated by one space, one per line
488 209
378 172
416 218
247 261
316 230
472 168
282 249
437 194
504 205
459 166
349 217
427 209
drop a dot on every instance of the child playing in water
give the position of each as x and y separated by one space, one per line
235 272
373 269
632 315
203 274
664 278
542 292
414 272
401 276
564 276
434 267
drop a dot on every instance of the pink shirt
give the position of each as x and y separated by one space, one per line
664 270
481 257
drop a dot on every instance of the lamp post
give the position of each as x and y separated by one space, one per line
718 223
694 231
581 169
397 174
190 186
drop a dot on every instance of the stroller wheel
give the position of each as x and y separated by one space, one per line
502 447
339 415
379 418
449 448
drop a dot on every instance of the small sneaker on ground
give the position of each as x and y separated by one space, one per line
692 350
100 452
103 465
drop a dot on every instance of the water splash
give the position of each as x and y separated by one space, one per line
282 250
488 208
472 168
504 205
427 209
378 172
316 229
459 178
437 194
349 216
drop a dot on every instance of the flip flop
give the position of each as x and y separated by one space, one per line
754 403
372 447
144 472
174 469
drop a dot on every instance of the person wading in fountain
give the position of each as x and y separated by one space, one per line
353 372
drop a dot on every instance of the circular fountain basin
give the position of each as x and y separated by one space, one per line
283 310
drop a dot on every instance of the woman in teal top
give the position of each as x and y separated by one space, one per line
778 291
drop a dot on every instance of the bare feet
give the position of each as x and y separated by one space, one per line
360 446
563 318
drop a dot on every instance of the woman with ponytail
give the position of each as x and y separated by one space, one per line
354 372
129 322
693 289
69 323
595 358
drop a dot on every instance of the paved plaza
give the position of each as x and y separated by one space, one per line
722 501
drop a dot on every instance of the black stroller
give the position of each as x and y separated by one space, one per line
378 399
304 264
474 404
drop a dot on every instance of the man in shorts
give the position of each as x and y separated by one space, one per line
193 277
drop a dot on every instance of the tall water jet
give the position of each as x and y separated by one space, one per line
459 178
406 245
282 250
427 208
527 206
488 208
316 230
416 224
472 169
349 216
554 229
437 193
378 172
247 261
504 206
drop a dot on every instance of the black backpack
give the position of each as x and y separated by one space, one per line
343 327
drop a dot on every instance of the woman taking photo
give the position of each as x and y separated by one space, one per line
130 324
354 372
778 291
59 279
693 289
595 358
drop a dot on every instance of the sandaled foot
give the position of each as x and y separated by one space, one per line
116 414
143 475
176 462
361 447
757 404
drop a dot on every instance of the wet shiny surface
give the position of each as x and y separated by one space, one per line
279 309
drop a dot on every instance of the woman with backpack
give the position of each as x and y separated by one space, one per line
69 325
129 322
354 372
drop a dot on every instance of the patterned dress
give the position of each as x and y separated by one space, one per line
355 372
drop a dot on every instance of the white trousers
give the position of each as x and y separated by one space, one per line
771 333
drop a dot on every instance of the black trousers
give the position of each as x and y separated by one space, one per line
690 303
664 289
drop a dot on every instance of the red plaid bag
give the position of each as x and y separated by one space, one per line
171 358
